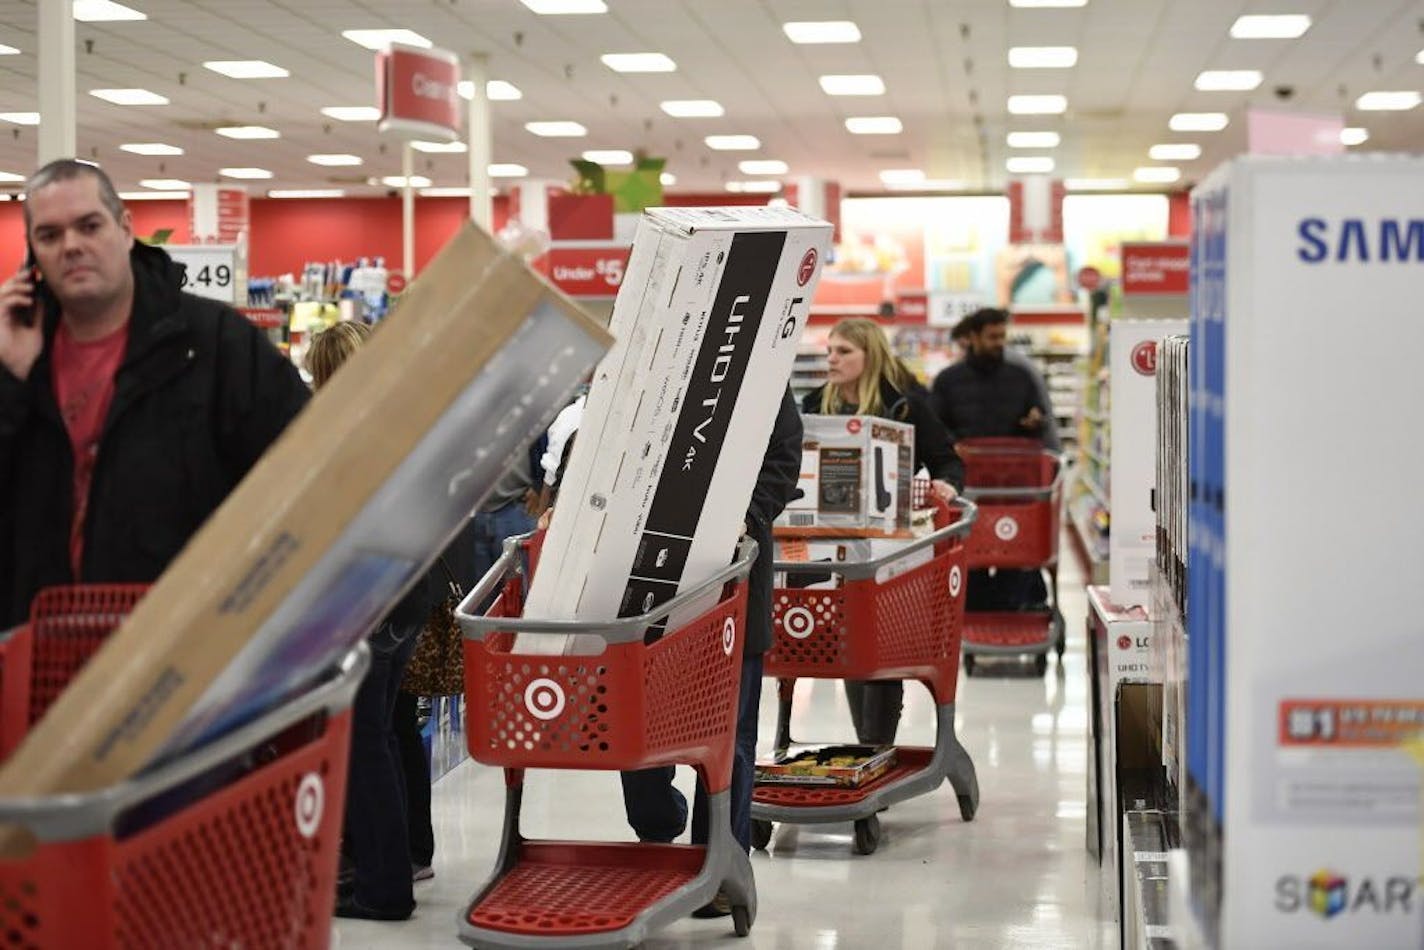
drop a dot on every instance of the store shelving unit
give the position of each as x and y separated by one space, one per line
1089 504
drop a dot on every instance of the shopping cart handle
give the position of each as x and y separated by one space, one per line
859 570
1061 458
620 630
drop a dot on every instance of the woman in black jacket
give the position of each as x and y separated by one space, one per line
867 379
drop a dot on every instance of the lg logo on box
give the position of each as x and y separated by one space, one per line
1144 358
1328 894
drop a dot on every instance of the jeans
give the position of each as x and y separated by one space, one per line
875 707
491 528
416 766
375 835
657 811
1005 589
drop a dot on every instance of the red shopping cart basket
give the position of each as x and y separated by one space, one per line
632 706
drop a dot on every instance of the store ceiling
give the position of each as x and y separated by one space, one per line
944 65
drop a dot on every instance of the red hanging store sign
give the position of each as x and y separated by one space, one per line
417 91
587 271
1156 268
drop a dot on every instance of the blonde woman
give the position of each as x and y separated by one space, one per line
866 379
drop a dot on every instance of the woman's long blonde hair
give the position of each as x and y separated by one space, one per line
881 365
332 347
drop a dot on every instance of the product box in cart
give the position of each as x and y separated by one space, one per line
707 323
1303 633
334 523
856 474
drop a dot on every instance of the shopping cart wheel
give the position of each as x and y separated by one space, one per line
761 834
1040 664
741 921
867 835
967 807
1062 627
968 664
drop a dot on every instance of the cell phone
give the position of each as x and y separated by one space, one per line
41 293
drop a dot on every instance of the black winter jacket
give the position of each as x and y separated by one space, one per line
974 400
775 488
199 396
934 445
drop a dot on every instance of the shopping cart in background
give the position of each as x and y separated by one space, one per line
873 626
1018 486
233 844
632 706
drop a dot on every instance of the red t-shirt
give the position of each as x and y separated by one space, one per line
84 388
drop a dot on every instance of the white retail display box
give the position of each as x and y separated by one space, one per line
856 475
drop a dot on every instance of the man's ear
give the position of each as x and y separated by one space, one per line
126 223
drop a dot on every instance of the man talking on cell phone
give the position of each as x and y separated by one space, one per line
128 408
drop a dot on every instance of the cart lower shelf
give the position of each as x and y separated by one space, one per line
1031 631
908 761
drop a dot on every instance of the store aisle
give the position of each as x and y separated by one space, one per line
1018 876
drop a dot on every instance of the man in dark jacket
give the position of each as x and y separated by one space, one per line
128 408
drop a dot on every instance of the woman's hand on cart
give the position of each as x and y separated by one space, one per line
944 490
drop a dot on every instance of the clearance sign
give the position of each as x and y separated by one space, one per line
417 91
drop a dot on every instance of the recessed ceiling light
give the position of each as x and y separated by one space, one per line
1388 101
1029 165
453 191
1229 80
866 85
1282 27
874 125
1419 57
902 176
733 143
440 147
129 97
166 184
247 69
693 108
307 193
100 11
1174 152
8 50
248 132
497 90
1157 174
1038 105
608 156
556 130
398 181
150 148
11 176
822 31
638 62
754 187
557 7
244 173
334 160
20 118
380 39
1034 139
1354 136
507 170
763 166
1043 57
352 113
154 195
668 179
1096 184
1198 122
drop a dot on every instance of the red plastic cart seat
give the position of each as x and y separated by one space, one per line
1009 629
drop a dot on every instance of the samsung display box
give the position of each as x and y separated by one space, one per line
856 474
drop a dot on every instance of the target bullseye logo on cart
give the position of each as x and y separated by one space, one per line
544 698
1006 528
729 636
956 580
799 622
311 802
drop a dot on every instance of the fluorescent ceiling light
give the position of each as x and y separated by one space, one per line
693 108
1174 152
398 181
129 97
155 195
638 62
446 192
1029 165
1388 101
733 143
21 118
440 147
248 132
1157 174
822 31
1038 105
1284 27
874 125
1419 57
166 184
380 39
352 113
100 11
11 176
507 170
1198 122
1048 3
903 176
307 193
334 160
1096 184
1034 139
244 173
247 69
866 85
150 148
932 184
608 156
763 166
8 50
1354 136
754 187
668 179
557 7
556 130
1043 57
1229 80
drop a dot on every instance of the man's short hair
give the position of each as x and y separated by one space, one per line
68 169
988 316
963 329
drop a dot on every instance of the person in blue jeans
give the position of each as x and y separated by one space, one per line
656 810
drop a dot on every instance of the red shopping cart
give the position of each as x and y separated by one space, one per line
1018 486
235 844
874 626
632 706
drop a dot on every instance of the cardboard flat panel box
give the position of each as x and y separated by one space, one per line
334 523
679 413
855 479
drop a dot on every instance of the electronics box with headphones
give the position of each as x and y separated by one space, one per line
855 479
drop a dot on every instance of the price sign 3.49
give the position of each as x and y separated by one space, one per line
209 271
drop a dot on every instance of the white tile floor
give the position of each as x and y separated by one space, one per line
1018 876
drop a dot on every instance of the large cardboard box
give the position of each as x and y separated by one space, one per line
856 474
334 523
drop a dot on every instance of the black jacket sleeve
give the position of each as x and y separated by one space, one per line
261 392
780 467
939 400
14 410
934 445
